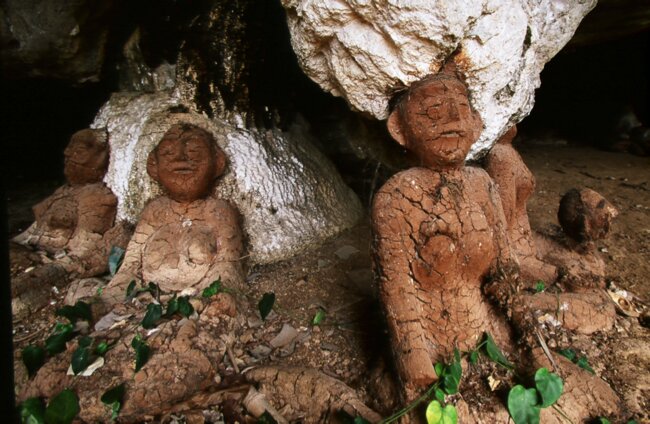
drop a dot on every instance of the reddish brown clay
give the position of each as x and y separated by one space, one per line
585 215
516 184
438 230
79 219
185 239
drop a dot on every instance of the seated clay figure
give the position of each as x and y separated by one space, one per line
515 184
585 217
185 238
584 312
438 231
78 219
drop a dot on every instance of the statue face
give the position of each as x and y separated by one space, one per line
436 122
86 158
186 163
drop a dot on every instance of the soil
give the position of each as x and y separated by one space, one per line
351 342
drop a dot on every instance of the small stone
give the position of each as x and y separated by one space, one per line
286 336
329 346
345 252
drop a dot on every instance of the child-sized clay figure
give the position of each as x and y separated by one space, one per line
439 230
540 258
76 223
185 238
516 184
585 217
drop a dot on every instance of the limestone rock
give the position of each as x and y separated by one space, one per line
289 194
55 38
365 51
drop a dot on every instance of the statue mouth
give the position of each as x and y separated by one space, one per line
183 169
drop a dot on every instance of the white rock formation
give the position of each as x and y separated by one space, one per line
365 50
290 195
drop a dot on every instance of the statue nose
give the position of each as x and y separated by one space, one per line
453 112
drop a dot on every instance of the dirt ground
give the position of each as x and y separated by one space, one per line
351 341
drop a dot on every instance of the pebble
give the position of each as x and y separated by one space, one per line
284 337
345 252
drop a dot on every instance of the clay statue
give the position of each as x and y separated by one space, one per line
515 184
76 223
542 259
185 238
584 215
438 230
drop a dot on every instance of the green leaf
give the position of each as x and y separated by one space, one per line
440 395
152 288
32 411
85 341
523 405
172 307
549 386
603 420
540 286
102 348
80 359
436 414
266 418
56 342
115 258
473 357
266 304
318 318
130 289
141 352
62 408
361 420
451 377
494 353
153 315
33 358
185 308
212 289
439 369
80 311
584 364
570 354
113 398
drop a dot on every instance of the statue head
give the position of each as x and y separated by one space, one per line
585 215
86 157
508 136
186 162
435 121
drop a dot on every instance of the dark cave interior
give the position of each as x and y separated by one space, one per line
585 90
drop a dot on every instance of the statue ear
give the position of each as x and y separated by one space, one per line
395 127
152 165
219 163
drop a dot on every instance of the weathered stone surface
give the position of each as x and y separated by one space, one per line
55 38
365 51
290 196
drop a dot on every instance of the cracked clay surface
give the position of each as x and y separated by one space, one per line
438 230
185 238
77 219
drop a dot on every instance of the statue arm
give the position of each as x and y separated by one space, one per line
230 248
395 251
131 268
97 209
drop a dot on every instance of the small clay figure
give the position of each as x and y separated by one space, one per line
585 215
77 223
438 230
185 238
516 184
